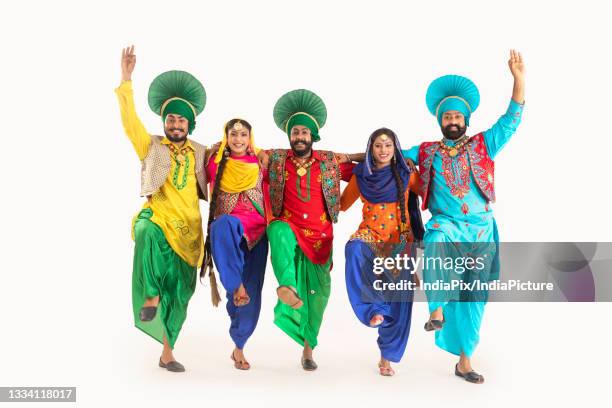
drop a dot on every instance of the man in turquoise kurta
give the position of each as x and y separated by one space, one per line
458 186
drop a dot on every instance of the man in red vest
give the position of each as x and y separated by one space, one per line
305 202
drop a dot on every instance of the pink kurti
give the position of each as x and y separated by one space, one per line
253 223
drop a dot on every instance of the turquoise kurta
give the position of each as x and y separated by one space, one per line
461 213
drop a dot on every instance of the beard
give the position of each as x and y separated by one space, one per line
300 151
175 139
453 132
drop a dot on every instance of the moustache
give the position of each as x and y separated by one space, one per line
454 128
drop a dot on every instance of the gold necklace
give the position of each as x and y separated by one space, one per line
179 154
302 167
454 150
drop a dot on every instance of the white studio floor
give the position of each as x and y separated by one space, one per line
524 360
529 353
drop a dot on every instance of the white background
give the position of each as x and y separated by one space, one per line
70 182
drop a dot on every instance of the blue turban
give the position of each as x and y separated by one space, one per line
452 92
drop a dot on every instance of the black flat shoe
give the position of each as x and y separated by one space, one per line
289 297
173 366
148 313
433 325
472 376
309 364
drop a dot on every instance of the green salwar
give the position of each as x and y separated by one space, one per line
312 281
159 271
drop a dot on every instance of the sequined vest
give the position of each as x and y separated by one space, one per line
330 181
156 167
226 202
482 167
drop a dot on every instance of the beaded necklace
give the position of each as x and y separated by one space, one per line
454 150
302 167
180 156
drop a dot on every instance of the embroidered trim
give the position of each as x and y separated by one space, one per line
481 166
456 172
330 182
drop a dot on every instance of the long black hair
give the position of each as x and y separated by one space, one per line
207 264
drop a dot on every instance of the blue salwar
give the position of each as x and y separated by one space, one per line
237 265
396 308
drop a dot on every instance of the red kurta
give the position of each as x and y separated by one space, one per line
304 209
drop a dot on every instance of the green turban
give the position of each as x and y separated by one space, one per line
180 107
179 93
300 107
304 119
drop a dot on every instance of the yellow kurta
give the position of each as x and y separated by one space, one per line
176 212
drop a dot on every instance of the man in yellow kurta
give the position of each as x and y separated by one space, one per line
168 230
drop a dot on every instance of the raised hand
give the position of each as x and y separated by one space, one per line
517 68
128 62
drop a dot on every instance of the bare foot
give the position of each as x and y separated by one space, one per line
151 302
377 320
240 361
437 314
241 297
384 367
289 296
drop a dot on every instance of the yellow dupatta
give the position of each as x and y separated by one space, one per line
238 175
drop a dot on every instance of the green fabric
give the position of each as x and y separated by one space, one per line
304 120
258 208
158 270
179 107
176 84
300 100
312 281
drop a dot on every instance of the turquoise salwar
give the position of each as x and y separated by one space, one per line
462 309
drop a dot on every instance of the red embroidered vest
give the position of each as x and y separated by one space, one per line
481 166
330 181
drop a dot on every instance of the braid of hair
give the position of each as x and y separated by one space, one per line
400 193
207 264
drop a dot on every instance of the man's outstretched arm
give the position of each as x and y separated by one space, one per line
499 134
132 125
